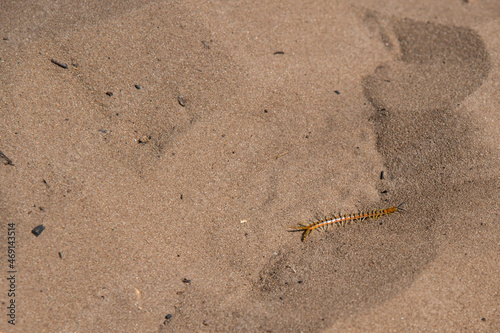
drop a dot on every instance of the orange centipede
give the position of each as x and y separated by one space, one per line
343 219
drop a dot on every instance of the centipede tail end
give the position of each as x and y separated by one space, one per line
306 230
306 233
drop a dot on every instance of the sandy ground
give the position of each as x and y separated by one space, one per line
169 158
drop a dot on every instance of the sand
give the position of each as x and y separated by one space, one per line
167 146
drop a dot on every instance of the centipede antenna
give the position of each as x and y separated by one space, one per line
401 209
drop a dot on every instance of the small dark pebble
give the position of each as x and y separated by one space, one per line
181 100
483 319
144 141
38 230
168 316
60 255
279 52
337 92
186 280
138 87
384 192
381 174
300 281
5 159
109 93
60 64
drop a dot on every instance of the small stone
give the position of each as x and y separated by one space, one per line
38 230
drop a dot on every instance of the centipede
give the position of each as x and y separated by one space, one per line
341 220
